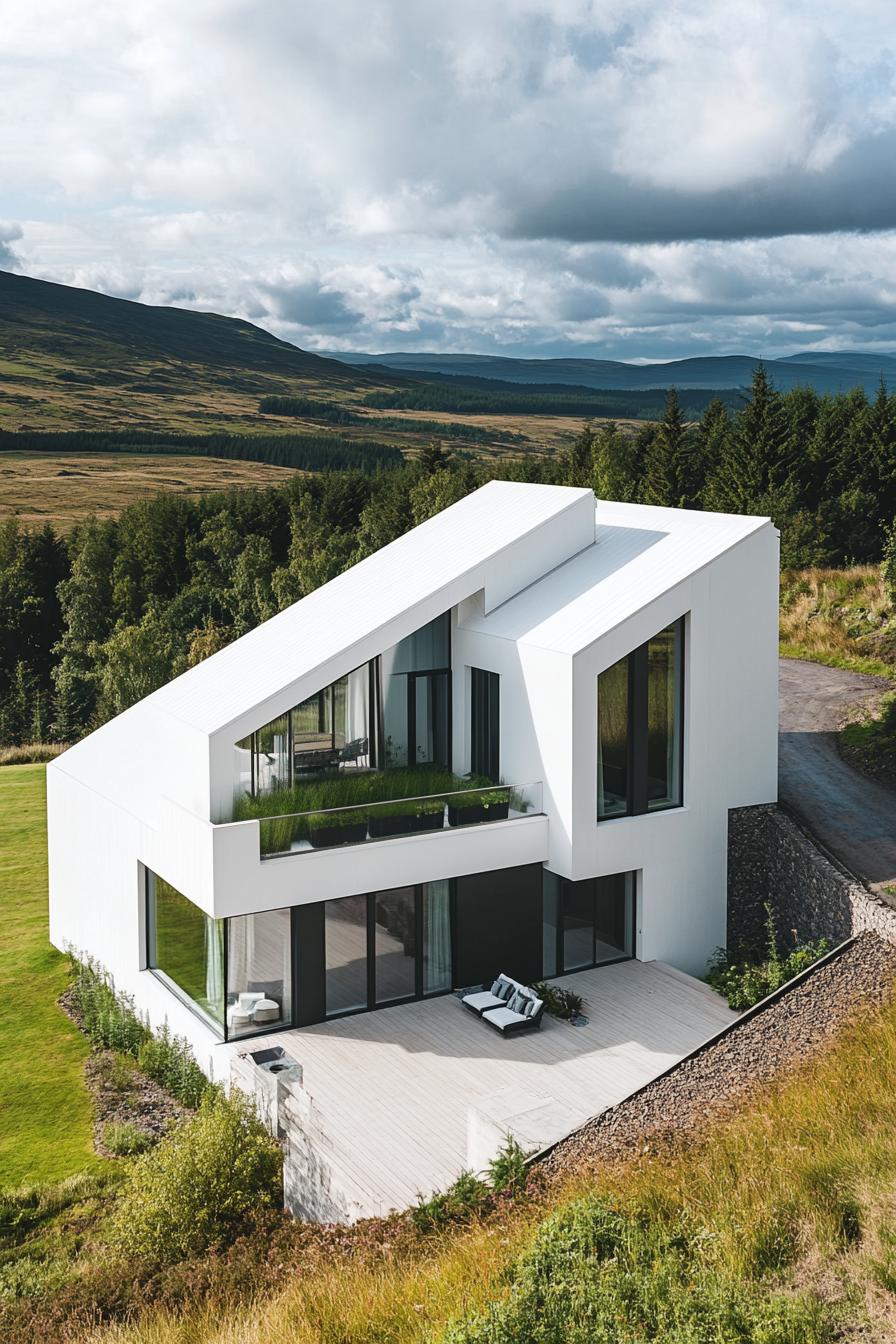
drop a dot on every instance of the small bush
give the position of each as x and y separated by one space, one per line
562 1003
125 1139
199 1184
169 1061
460 1201
108 1017
509 1169
745 983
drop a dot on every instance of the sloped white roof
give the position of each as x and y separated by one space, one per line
639 553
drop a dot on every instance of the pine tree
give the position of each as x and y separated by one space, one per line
755 474
669 475
576 461
616 465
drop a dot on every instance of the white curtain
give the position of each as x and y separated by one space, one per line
436 936
214 967
357 704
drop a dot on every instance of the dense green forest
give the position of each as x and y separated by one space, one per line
92 622
304 452
486 396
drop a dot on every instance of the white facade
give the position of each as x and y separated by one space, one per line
547 588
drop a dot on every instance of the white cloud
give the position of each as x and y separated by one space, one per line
612 175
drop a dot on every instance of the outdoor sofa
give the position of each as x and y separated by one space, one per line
508 1006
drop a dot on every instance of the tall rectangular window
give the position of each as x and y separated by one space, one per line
436 941
394 945
613 740
664 719
186 947
639 728
345 941
484 723
259 972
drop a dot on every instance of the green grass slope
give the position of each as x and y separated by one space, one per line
45 1112
72 359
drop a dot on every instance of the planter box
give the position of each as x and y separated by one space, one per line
382 827
324 837
470 814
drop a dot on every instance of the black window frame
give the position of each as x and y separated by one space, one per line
637 792
419 994
485 720
563 885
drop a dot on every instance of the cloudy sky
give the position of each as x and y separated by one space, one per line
610 178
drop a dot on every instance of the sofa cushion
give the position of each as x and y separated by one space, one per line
503 988
503 1017
531 1006
518 1002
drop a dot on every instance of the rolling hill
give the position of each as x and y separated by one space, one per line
826 372
74 359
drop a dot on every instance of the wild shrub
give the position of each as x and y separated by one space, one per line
747 981
199 1184
460 1201
125 1139
558 1002
596 1274
508 1170
109 1018
169 1061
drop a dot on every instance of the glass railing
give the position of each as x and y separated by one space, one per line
302 832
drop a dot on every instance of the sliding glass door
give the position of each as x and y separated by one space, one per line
587 923
387 947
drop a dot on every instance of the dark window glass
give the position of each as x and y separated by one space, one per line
259 971
394 934
425 650
578 925
187 947
484 723
345 935
614 922
550 922
613 740
436 913
664 719
639 728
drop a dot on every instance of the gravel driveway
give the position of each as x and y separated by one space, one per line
854 817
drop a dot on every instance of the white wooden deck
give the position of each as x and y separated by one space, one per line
407 1097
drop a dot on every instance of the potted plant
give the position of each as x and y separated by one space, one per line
347 827
464 809
430 814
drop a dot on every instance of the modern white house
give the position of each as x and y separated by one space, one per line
508 741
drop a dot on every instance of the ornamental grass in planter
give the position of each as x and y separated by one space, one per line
326 829
405 818
466 809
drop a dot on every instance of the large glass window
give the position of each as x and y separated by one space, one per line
639 728
394 944
613 740
186 947
664 718
416 695
345 937
587 923
387 946
259 972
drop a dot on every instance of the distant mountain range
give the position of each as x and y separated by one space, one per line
824 371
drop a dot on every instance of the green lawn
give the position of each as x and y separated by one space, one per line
45 1113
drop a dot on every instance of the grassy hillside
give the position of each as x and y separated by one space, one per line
840 617
73 359
774 1227
45 1114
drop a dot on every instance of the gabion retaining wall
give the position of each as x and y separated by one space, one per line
770 860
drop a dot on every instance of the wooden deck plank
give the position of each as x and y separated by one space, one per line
393 1088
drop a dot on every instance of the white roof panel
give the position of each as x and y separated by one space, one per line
639 553
458 542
